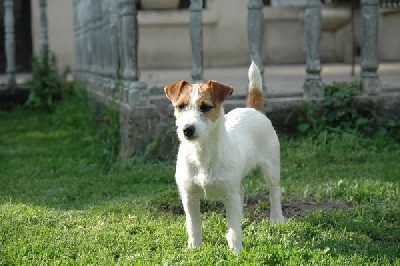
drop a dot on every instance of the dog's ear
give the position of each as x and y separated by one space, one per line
220 92
173 90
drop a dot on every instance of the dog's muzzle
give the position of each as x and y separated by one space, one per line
189 132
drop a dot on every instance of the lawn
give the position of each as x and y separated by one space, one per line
65 200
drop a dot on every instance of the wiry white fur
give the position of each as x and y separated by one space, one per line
214 164
255 80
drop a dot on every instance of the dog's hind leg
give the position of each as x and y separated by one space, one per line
271 175
191 205
234 214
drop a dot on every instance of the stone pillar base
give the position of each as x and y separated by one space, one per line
135 93
371 85
313 88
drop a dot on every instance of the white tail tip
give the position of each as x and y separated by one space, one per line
255 80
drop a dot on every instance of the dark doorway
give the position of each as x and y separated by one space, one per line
23 36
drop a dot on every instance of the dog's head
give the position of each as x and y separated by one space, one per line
197 106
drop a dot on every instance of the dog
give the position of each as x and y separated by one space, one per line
217 151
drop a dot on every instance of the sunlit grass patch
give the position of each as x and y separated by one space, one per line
58 204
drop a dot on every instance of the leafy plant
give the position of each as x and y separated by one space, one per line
103 134
161 148
47 84
391 128
338 112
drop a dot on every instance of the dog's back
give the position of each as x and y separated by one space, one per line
250 129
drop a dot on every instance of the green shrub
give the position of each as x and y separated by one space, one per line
391 128
338 112
47 84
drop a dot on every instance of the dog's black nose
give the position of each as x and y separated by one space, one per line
188 131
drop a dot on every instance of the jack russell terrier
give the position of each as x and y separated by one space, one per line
217 151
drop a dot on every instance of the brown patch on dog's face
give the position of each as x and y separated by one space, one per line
183 100
204 97
179 95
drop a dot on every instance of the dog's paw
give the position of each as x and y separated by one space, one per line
234 241
194 243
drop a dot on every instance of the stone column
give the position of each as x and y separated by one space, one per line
196 37
114 43
370 83
134 92
76 35
9 42
129 33
97 38
78 23
87 36
255 33
313 21
92 35
44 41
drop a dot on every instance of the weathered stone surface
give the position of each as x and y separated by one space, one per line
196 38
370 83
313 21
255 30
129 35
9 40
44 40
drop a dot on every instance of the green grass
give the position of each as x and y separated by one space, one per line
59 204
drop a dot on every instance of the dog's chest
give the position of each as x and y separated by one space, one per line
207 181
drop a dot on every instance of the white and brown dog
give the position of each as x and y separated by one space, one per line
217 151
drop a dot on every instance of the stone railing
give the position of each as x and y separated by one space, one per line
9 44
10 38
370 83
106 36
106 41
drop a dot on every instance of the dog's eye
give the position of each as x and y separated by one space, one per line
205 108
180 107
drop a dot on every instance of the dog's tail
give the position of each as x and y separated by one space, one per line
255 97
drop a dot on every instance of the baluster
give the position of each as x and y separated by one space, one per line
129 33
9 42
87 36
135 92
370 83
76 36
92 36
196 38
114 49
255 33
313 22
96 37
44 42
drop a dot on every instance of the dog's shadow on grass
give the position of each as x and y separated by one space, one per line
256 207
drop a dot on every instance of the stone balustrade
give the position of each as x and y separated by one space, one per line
106 42
9 44
106 36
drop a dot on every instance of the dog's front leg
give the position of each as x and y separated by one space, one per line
234 213
191 205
